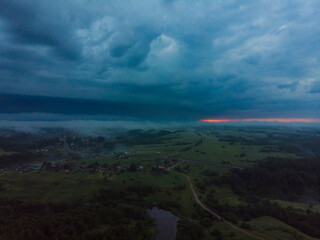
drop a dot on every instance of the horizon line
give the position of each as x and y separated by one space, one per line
283 120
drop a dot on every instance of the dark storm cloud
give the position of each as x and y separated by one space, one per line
291 86
206 58
78 107
36 23
315 88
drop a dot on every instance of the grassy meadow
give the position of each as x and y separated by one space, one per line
168 189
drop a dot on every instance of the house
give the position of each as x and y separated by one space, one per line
117 168
141 168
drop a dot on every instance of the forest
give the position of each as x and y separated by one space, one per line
273 178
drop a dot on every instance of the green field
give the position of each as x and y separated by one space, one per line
186 145
3 152
149 186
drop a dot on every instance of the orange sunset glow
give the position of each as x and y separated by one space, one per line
284 120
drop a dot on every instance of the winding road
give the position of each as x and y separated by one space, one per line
198 200
216 215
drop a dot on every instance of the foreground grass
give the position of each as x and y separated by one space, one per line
49 186
272 228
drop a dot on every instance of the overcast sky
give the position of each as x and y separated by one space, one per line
241 59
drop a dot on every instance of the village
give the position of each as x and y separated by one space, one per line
121 162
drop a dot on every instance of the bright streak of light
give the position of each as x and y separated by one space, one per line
284 120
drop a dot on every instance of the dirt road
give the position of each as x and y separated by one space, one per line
198 200
216 214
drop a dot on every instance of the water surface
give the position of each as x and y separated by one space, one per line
166 223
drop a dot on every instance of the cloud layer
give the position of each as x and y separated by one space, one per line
220 58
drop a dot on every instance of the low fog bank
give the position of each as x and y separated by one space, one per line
103 125
92 127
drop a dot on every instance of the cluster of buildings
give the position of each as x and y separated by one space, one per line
123 155
45 166
97 168
49 148
165 163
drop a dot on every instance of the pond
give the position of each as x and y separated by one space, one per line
166 223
